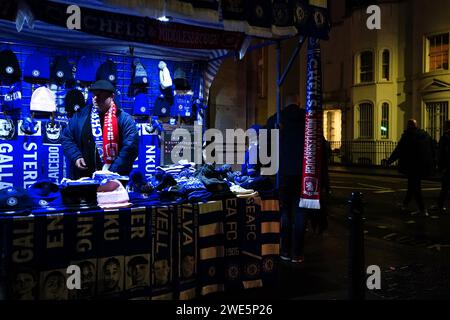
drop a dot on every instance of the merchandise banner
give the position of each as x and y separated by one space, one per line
111 262
270 240
139 29
233 219
11 167
250 241
85 229
53 159
187 225
53 239
19 258
211 247
162 248
311 173
32 159
149 156
138 253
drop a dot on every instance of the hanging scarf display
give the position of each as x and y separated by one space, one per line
311 173
106 138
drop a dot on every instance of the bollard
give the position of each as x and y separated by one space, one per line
356 272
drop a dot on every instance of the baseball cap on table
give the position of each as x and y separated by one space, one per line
107 71
9 67
103 85
140 75
86 70
45 194
141 105
43 99
74 101
37 68
61 70
15 201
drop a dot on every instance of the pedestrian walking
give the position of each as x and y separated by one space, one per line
444 167
415 154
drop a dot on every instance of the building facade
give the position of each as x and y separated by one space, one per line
373 80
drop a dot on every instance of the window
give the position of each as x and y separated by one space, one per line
366 67
385 65
385 121
436 115
366 121
438 52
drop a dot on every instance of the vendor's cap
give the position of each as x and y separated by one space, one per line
103 85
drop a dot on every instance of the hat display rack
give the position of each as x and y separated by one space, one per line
124 69
19 124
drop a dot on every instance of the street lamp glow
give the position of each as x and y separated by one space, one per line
164 19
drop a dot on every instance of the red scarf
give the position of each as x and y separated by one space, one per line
110 136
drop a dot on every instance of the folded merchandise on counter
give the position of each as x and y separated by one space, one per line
112 194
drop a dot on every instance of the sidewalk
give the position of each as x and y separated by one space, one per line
374 171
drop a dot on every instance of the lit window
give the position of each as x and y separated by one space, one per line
438 52
385 121
385 65
366 121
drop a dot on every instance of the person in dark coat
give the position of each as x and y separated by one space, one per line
79 143
291 144
415 153
444 167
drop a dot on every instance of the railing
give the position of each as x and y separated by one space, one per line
360 152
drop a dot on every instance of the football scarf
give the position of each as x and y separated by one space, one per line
106 138
311 172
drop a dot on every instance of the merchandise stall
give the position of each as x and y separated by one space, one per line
184 232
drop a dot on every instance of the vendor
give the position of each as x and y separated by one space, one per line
101 136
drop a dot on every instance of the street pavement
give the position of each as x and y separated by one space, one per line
412 252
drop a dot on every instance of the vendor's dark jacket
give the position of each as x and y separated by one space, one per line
292 136
78 142
415 153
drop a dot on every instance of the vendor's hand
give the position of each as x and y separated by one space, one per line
81 164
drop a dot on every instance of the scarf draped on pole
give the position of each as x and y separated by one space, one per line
312 159
106 138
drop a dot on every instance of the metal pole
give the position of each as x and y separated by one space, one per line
291 60
278 50
356 270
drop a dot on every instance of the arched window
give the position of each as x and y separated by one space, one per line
365 120
385 120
